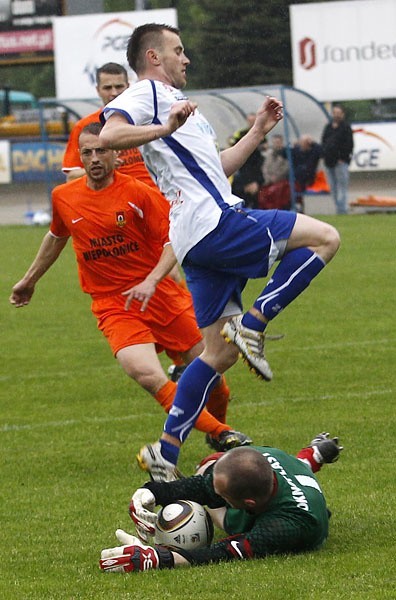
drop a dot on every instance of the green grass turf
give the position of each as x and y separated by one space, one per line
71 422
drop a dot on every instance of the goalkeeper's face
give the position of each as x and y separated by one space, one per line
221 487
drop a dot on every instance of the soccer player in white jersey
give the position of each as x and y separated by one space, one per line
219 243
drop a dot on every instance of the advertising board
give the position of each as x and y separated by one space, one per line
374 147
344 50
26 30
84 43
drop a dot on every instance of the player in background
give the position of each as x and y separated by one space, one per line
111 80
266 501
116 224
219 243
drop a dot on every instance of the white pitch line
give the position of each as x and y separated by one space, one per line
53 424
343 395
273 348
7 428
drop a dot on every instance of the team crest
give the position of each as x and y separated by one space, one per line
120 218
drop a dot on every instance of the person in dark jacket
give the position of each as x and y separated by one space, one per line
249 178
305 156
337 144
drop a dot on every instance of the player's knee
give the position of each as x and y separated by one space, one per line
330 242
223 358
148 380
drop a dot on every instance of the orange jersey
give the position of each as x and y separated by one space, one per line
133 163
118 233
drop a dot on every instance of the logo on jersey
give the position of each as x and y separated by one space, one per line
120 218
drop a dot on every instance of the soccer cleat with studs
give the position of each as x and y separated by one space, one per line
175 372
326 449
250 344
227 440
150 459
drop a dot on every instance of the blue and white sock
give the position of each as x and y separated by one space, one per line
192 394
291 277
170 452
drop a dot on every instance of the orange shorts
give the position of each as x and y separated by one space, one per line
168 321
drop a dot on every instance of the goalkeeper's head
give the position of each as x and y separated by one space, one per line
245 479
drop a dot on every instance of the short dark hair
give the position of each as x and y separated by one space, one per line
247 472
145 37
92 128
340 107
111 68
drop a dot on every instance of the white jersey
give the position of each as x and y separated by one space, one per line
186 165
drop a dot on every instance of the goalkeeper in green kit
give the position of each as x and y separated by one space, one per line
267 502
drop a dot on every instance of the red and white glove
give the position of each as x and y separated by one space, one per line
133 556
141 511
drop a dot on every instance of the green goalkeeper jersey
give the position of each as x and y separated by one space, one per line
295 520
296 517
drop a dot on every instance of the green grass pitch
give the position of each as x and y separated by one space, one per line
71 423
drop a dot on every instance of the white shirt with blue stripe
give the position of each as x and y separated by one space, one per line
186 165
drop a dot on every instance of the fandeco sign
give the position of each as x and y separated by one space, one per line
344 50
308 53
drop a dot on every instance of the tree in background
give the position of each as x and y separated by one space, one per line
237 43
38 79
234 43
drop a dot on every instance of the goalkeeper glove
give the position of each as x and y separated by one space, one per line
141 511
134 556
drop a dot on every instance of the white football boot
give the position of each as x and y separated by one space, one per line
250 344
150 459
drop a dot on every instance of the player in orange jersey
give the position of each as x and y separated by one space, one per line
116 223
111 80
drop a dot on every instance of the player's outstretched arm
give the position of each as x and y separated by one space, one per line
118 134
267 116
50 249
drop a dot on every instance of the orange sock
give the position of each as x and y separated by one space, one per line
205 422
218 400
166 395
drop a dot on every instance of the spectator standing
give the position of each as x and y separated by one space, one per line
305 156
337 144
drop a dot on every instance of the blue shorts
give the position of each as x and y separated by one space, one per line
244 245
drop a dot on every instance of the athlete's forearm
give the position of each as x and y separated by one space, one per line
118 134
230 548
49 251
267 116
165 264
232 159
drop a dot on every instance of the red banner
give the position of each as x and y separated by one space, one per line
29 40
